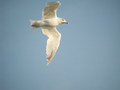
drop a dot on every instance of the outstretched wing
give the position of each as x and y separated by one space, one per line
50 10
52 43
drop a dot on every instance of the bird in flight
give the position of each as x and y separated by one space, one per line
48 24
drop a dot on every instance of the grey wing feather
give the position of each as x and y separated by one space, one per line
50 10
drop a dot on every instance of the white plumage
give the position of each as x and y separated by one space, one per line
48 24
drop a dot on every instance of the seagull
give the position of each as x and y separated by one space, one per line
48 24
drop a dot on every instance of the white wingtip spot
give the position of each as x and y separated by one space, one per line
47 63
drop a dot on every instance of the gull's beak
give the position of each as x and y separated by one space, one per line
66 23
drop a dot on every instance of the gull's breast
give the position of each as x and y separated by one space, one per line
50 22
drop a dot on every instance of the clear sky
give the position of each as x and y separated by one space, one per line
88 57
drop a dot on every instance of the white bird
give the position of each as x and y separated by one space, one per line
48 24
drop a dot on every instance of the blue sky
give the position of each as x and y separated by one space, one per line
88 57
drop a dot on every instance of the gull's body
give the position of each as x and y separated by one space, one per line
48 24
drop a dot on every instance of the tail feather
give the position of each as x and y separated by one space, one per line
34 24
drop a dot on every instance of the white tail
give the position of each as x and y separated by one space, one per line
34 24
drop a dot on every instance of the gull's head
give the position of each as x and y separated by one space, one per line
63 21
